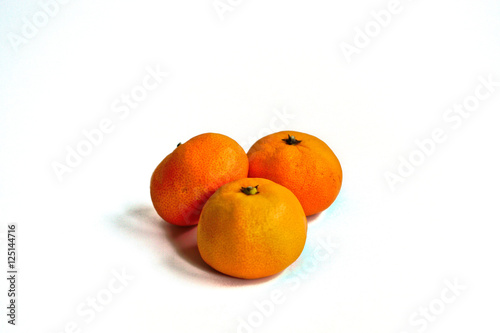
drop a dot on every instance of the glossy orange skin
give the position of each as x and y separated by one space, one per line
252 236
309 169
186 178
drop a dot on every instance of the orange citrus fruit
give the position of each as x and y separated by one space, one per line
251 228
186 178
300 162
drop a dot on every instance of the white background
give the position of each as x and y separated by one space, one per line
394 249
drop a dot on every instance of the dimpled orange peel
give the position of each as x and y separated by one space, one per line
251 228
300 162
186 178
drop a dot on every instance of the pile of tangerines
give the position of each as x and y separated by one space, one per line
250 208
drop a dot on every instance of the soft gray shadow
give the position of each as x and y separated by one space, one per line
312 218
145 225
183 240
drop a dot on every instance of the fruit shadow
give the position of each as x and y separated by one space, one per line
312 218
155 233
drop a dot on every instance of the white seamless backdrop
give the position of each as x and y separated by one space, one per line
93 95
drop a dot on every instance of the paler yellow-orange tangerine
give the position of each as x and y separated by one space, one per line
251 228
